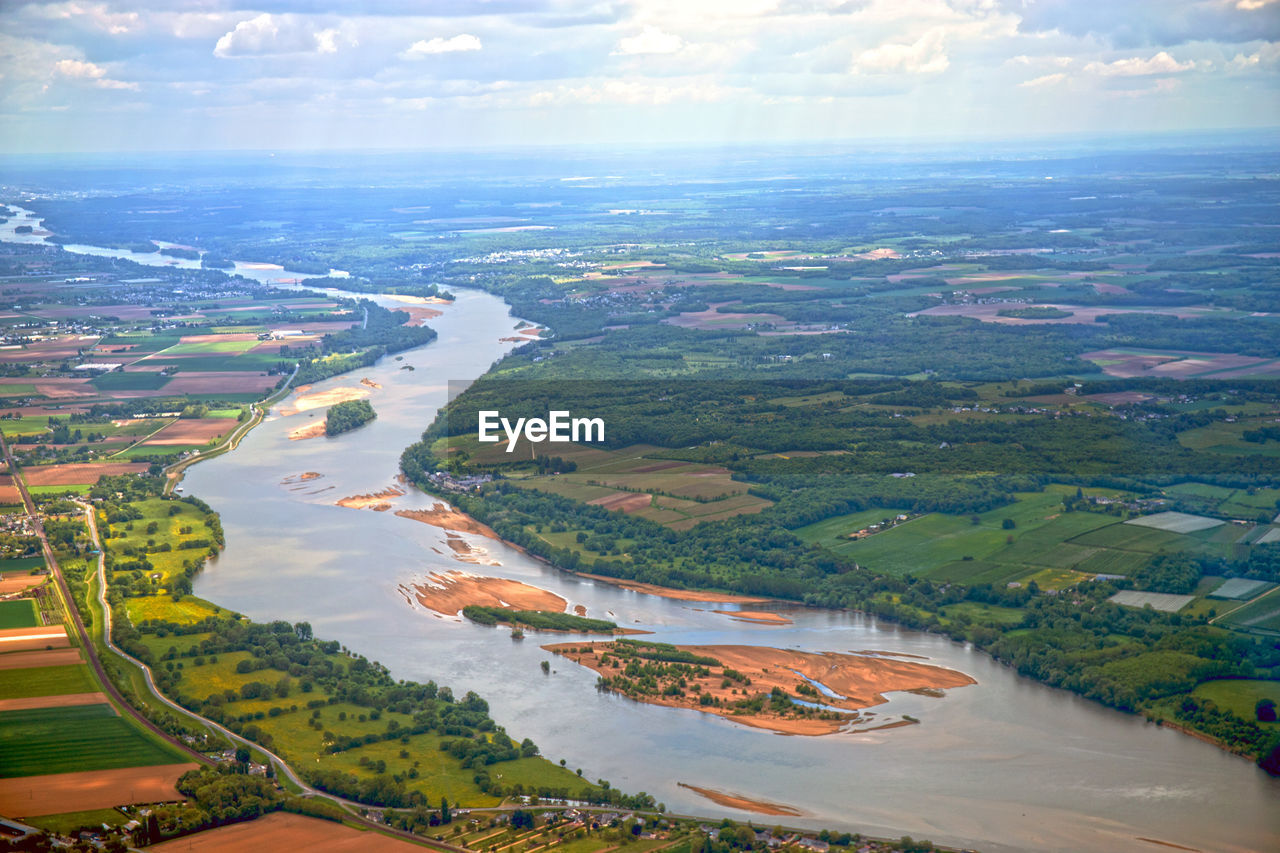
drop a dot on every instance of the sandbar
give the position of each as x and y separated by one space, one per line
448 593
852 682
677 594
376 501
324 399
369 383
746 804
311 430
449 519
763 617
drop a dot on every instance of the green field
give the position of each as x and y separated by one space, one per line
1240 695
24 426
69 823
168 531
59 490
19 613
137 381
1262 613
936 544
21 564
46 681
211 347
62 740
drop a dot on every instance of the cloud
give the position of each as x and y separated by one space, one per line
457 44
1046 80
1140 23
632 92
271 35
651 40
926 55
1161 63
76 69
1268 54
96 15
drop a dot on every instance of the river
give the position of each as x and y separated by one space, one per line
1006 764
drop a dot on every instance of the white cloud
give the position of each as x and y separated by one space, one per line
1253 5
651 40
1046 80
97 14
926 55
1161 63
1266 55
457 44
632 92
1052 61
76 69
268 35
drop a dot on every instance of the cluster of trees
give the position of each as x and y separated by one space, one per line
383 332
538 620
348 415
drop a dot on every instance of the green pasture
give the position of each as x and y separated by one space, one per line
141 380
1240 695
32 425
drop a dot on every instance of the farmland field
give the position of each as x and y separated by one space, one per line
60 793
1164 601
57 740
1261 613
45 681
19 613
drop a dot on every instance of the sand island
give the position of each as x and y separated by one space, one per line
783 690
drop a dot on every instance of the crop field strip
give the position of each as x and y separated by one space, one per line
92 737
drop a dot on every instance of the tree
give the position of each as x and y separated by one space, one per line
1265 710
445 815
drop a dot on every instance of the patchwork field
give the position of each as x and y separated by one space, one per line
635 481
1261 614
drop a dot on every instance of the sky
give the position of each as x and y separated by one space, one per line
144 75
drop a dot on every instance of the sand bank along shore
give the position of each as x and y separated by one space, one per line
763 617
677 594
450 592
756 685
449 519
377 501
311 430
324 399
746 804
